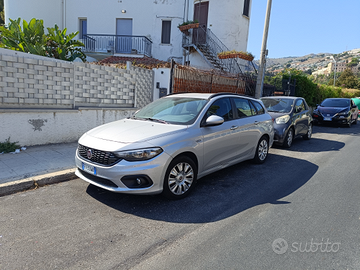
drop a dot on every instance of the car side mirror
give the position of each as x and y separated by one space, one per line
214 120
354 106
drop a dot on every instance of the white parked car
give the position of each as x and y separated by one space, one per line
166 146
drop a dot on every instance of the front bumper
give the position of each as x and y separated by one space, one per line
280 133
114 178
338 120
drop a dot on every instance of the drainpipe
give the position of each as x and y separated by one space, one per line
63 15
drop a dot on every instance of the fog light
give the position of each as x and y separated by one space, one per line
137 181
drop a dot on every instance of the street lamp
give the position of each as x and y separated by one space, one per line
334 69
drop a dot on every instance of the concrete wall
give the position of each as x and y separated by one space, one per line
36 127
43 100
41 82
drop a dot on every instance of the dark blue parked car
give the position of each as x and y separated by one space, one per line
336 111
291 116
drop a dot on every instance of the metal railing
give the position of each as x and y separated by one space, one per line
204 39
117 44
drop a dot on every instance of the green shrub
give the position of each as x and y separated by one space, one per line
8 146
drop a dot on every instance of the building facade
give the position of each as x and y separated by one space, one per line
146 28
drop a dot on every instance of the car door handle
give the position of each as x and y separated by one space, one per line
234 127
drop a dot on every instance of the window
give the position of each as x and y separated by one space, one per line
243 108
221 107
83 28
299 106
259 108
246 7
165 32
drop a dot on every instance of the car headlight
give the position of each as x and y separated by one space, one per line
343 114
139 154
282 119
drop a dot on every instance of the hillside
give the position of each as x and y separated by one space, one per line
311 62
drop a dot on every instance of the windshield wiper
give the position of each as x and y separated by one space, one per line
156 120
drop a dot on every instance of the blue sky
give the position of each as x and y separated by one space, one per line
301 27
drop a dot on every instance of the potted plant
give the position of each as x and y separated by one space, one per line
188 25
236 54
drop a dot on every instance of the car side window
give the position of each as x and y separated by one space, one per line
299 106
260 109
244 108
221 107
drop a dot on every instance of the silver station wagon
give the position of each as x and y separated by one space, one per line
167 145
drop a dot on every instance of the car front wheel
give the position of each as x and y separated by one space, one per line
180 178
289 138
262 150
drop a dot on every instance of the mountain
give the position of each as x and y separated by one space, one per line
311 62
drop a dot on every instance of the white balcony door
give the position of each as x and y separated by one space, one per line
123 42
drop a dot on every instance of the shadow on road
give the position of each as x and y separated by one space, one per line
219 195
313 145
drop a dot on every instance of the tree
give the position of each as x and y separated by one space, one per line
347 79
304 86
32 39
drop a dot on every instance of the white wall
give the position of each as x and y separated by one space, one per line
161 76
48 10
36 127
228 23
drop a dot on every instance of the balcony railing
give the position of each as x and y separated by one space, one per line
117 44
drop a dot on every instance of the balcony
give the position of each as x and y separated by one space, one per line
117 44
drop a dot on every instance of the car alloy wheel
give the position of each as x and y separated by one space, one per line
289 138
307 136
262 150
180 178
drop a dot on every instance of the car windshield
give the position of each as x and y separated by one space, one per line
173 110
281 105
335 103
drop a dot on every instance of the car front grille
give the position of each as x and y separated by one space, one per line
97 156
99 180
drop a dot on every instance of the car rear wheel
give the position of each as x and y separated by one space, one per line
180 178
262 150
289 138
349 123
308 134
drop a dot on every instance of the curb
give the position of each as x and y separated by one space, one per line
37 181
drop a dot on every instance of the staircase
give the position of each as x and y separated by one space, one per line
208 45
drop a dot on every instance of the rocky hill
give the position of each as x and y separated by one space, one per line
309 63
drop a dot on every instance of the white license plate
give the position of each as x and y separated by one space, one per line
327 118
88 168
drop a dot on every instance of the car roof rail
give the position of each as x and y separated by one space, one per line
226 94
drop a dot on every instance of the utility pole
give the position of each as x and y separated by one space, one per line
334 69
259 83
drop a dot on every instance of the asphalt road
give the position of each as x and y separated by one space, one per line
299 210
